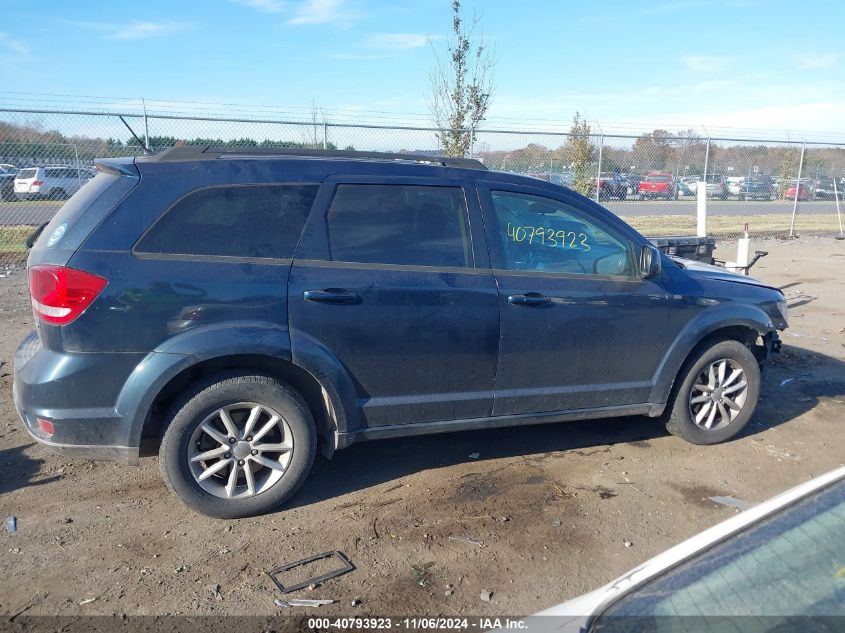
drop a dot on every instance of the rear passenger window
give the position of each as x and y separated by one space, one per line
262 221
399 224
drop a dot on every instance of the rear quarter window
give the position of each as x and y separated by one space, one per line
85 209
247 221
23 174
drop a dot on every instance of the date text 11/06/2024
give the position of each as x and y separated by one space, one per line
416 624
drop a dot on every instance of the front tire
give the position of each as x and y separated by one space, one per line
237 445
716 393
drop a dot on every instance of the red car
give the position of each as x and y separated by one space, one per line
658 184
804 193
611 185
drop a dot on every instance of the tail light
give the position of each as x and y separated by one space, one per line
61 294
37 183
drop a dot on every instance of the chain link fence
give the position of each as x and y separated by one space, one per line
777 188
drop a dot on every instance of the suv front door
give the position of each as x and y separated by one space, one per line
391 281
580 328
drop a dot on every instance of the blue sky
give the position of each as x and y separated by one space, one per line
745 64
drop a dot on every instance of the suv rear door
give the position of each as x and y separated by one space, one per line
391 286
580 328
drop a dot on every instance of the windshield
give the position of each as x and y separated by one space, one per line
657 178
792 564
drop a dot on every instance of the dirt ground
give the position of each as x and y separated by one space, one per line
552 511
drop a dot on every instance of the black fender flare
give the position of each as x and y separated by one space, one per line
214 341
717 317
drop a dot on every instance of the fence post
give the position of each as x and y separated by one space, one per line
598 169
78 175
706 159
325 135
472 140
797 190
701 208
146 125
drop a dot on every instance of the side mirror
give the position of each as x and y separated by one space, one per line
649 262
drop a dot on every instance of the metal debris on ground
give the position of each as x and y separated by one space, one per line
86 601
466 539
732 502
215 593
301 602
11 524
474 455
486 595
346 566
628 544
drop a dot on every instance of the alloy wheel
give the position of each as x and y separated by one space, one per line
718 394
240 450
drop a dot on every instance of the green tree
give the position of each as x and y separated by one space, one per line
788 170
461 88
580 152
653 150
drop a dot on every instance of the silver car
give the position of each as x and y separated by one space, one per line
56 182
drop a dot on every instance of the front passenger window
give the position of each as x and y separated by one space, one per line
544 235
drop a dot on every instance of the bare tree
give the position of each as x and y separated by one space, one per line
311 134
462 87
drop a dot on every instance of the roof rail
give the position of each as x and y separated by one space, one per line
198 152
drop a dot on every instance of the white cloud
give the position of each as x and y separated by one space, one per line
11 49
716 85
705 63
146 30
265 6
397 41
324 12
352 56
135 30
822 60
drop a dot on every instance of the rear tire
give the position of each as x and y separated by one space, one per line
715 394
225 405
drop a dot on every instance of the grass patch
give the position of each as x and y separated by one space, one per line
11 204
12 238
726 226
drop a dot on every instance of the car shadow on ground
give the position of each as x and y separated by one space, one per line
368 464
17 469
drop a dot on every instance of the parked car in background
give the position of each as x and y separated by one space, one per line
611 186
803 190
659 184
729 576
7 181
735 186
684 190
691 183
825 189
633 181
235 309
54 182
717 186
758 188
564 178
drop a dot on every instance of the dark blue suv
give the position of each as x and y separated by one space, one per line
236 310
